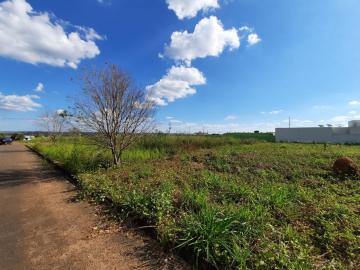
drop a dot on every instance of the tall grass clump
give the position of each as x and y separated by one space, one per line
76 156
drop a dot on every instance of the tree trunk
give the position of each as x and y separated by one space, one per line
116 161
119 157
115 156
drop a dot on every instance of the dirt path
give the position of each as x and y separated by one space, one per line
41 229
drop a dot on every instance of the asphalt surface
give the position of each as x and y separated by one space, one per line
42 228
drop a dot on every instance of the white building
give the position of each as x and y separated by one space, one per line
350 134
28 138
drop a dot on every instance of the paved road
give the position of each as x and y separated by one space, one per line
40 228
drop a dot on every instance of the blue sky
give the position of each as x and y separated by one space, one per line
213 65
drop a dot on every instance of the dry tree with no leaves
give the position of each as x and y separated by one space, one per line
111 107
54 122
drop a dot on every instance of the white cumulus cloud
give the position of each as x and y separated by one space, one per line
18 103
253 39
190 8
354 103
177 83
245 29
208 39
33 37
39 87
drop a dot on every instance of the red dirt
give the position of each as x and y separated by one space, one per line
40 228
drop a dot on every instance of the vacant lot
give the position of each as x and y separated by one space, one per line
229 202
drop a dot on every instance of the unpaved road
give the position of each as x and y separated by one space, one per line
40 228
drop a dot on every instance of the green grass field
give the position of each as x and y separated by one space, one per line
231 202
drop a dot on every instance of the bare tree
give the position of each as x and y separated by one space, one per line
54 122
113 108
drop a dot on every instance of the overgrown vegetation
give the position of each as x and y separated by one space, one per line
229 203
269 137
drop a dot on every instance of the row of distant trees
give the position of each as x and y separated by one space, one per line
110 106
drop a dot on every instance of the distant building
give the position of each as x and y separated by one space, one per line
28 137
321 134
